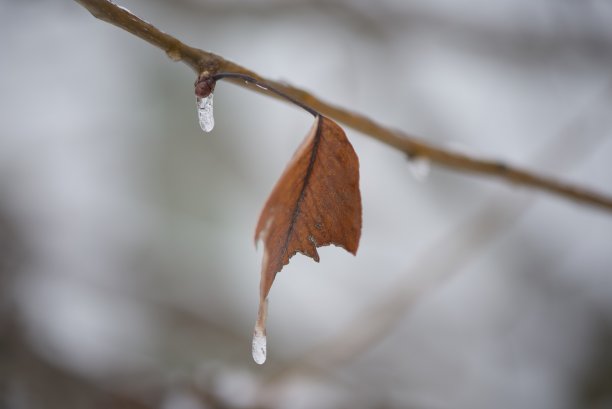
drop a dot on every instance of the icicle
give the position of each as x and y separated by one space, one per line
258 347
205 112
419 167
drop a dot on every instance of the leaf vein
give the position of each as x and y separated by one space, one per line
296 210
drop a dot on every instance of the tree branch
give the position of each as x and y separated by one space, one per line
202 61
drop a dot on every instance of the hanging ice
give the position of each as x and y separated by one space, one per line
419 167
205 112
258 347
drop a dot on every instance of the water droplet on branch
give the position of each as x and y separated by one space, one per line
419 167
205 112
174 54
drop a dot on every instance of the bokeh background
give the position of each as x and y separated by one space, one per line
128 274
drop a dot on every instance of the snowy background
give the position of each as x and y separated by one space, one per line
128 275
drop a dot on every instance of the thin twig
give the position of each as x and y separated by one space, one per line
202 61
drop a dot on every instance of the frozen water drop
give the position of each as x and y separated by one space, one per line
419 167
174 54
205 113
259 346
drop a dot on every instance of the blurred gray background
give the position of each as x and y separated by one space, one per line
128 274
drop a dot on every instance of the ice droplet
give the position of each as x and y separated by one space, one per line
205 113
174 54
258 347
419 167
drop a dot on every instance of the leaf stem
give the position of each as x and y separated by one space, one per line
211 64
267 87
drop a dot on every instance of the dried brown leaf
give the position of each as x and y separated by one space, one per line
316 202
